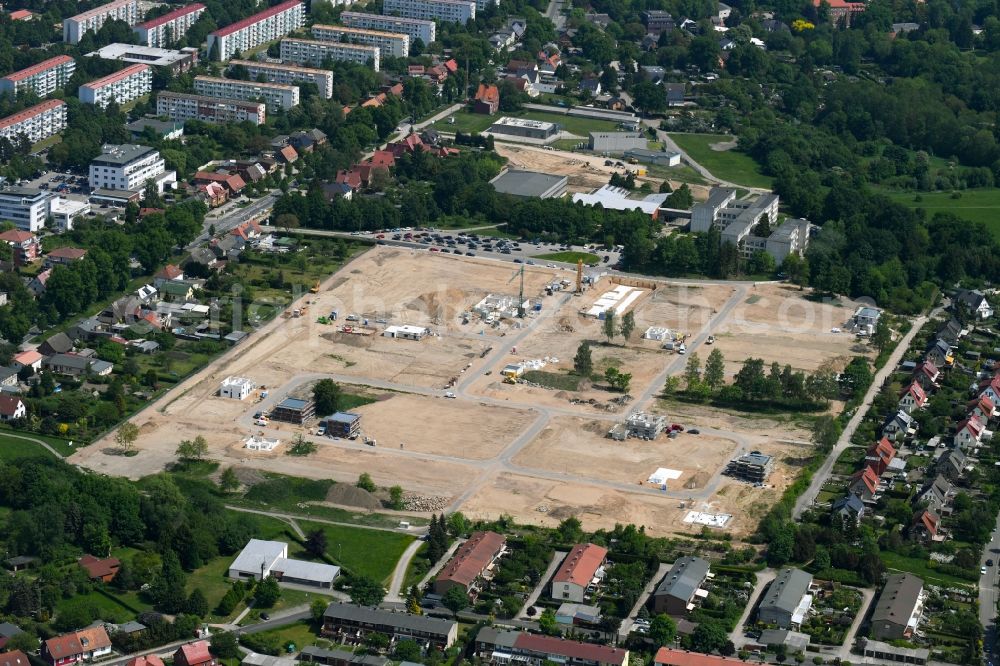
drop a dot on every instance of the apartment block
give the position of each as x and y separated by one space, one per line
289 74
132 82
275 95
75 27
129 167
42 79
182 106
26 208
425 31
449 11
390 44
163 30
749 224
251 32
313 52
38 122
483 4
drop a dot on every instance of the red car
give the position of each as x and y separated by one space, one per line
380 236
676 427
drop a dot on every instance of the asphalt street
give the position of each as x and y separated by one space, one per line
989 594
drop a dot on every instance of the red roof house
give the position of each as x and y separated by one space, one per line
912 398
14 658
672 657
100 569
577 571
864 483
215 194
473 560
351 178
451 65
486 100
408 145
65 255
880 455
21 15
982 408
969 432
148 660
25 244
194 654
567 651
288 154
382 158
11 408
30 358
247 230
839 9
232 181
927 522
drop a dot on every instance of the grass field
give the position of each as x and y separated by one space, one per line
921 568
14 447
369 552
107 608
553 380
729 165
468 122
981 205
569 257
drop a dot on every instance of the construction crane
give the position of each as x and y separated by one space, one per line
579 276
520 295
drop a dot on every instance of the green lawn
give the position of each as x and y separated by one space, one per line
730 165
921 568
107 608
981 205
13 447
370 552
465 122
553 380
569 257
300 633
468 122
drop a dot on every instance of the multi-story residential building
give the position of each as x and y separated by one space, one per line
449 11
313 52
38 122
75 27
471 563
899 608
390 44
26 208
275 95
176 61
483 4
166 29
42 79
676 593
182 106
130 83
255 30
129 167
24 244
349 622
787 601
289 74
578 572
425 31
502 647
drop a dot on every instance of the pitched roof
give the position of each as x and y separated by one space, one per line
93 638
289 154
16 236
382 158
63 646
9 405
472 558
256 18
377 616
170 16
581 564
28 114
148 660
169 272
671 657
898 599
14 658
684 578
488 94
866 476
929 369
983 402
883 450
929 520
67 253
575 650
97 567
194 653
850 502
40 67
787 590
916 391
973 425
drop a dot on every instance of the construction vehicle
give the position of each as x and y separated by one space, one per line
579 277
520 294
509 380
315 288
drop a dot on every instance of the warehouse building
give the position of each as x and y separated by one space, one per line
529 184
345 623
275 95
473 561
289 74
531 129
582 568
389 44
42 79
425 31
667 158
183 106
447 11
75 27
249 33
294 410
615 142
313 52
176 61
121 87
677 592
260 559
787 601
163 30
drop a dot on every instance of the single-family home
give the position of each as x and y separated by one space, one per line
927 376
287 155
58 343
898 609
864 483
14 658
214 194
333 191
982 408
590 85
176 291
102 569
912 398
787 601
7 632
486 99
937 494
37 283
62 256
952 464
203 256
12 408
147 660
581 568
8 376
969 433
973 303
880 455
75 365
849 508
989 388
233 183
677 592
951 331
926 524
83 645
899 426
25 245
194 654
27 359
940 354
168 273
675 94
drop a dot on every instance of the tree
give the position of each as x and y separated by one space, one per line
547 622
267 593
316 609
662 630
365 482
570 530
316 543
583 362
365 591
455 599
882 336
196 604
681 198
326 395
649 97
195 449
715 370
396 498
692 373
610 329
797 269
225 645
709 636
628 325
407 650
229 482
617 380
125 438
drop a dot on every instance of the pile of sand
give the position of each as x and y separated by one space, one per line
348 495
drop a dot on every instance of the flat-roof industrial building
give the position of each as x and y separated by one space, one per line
260 559
530 129
530 184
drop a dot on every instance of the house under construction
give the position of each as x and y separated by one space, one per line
640 425
498 306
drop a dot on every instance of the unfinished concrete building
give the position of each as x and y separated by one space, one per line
639 424
754 467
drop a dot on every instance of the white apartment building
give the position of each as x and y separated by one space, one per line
182 106
425 31
75 27
390 44
42 79
129 167
483 4
449 11
26 208
166 29
289 74
38 122
275 95
251 32
130 83
313 52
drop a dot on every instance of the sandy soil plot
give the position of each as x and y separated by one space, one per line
580 447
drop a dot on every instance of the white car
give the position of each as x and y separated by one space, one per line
260 422
449 394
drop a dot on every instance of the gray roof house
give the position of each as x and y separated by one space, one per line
898 608
937 494
973 302
676 592
787 600
60 343
951 464
849 507
351 620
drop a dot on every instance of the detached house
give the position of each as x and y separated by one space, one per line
27 359
970 432
12 408
850 507
927 375
194 654
880 455
103 570
982 408
25 245
166 274
973 302
864 484
937 494
486 100
474 560
952 464
581 568
940 354
989 388
899 426
913 398
926 524
77 646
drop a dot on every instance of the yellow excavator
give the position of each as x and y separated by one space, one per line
315 288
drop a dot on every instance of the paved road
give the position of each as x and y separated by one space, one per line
223 225
763 579
989 594
554 13
626 626
557 558
399 573
823 473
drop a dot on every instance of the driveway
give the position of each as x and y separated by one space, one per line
763 578
557 558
